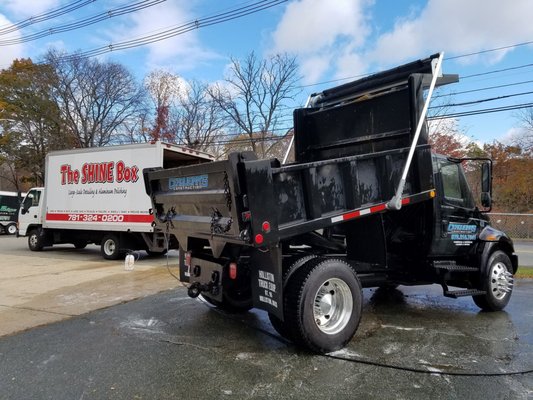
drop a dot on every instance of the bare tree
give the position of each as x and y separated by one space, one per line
255 96
199 121
524 138
95 98
163 88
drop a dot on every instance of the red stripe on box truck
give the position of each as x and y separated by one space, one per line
105 218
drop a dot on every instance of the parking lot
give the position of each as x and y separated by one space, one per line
76 326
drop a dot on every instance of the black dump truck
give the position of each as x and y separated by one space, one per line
365 204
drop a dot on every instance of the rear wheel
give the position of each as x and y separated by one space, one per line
323 305
110 247
80 245
498 283
232 302
236 294
11 229
156 253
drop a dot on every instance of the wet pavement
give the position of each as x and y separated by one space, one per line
524 249
412 344
57 283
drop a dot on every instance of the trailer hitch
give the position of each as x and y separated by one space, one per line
212 287
197 288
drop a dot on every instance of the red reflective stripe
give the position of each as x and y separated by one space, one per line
87 217
350 215
381 207
406 200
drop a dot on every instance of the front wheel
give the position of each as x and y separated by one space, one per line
323 305
110 247
35 240
497 283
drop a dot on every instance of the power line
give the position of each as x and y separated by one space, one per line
235 13
467 103
45 16
482 89
497 71
490 50
481 111
82 23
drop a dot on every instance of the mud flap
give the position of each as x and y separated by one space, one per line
267 285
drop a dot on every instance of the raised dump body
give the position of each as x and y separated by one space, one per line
350 156
232 201
364 204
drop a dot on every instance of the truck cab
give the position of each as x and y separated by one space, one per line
30 216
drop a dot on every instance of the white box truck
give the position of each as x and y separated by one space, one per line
97 195
9 206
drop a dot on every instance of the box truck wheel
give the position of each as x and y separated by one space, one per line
323 305
497 282
152 253
110 247
80 244
35 240
11 229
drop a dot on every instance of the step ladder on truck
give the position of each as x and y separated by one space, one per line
364 204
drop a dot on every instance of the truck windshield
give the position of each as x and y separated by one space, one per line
454 185
32 199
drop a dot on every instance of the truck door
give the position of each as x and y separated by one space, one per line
30 210
457 224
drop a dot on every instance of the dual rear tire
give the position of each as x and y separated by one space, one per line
322 305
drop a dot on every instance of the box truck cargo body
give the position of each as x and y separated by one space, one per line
97 195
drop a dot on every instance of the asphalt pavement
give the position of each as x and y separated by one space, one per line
524 249
412 343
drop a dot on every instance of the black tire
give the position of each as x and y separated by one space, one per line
35 240
110 247
281 326
11 229
497 282
231 305
156 253
323 305
80 245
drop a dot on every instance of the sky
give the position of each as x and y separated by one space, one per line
334 42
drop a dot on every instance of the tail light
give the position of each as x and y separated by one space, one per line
233 270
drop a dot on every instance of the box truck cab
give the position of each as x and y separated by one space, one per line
97 195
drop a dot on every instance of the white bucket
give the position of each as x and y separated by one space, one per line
129 262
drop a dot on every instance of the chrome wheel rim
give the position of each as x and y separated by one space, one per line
332 306
11 229
501 281
109 247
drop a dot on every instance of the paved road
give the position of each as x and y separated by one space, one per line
168 346
41 287
524 249
410 345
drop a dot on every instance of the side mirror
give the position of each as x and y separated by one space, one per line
23 211
486 184
486 200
